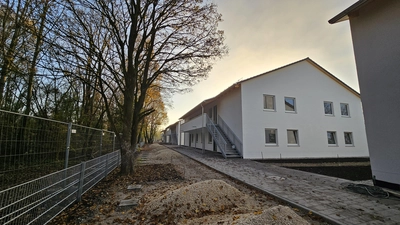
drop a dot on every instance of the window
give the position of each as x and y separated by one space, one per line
348 139
290 104
292 137
270 136
209 137
197 138
328 107
344 109
269 102
332 138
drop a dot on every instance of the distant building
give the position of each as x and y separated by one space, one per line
375 28
297 111
171 134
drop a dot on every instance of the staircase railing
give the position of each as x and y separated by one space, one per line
217 136
231 135
174 138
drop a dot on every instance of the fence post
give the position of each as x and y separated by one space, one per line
113 147
81 178
119 157
68 145
106 167
101 141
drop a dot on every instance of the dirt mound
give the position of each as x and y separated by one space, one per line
154 172
164 155
194 201
277 215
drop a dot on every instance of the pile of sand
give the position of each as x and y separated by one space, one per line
194 201
278 215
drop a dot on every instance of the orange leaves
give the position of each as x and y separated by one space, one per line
257 212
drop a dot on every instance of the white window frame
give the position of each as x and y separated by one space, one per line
265 105
296 137
276 137
351 138
294 105
348 109
333 111
334 137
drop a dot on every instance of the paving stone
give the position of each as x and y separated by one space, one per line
136 187
128 202
325 195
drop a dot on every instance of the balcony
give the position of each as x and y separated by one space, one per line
193 124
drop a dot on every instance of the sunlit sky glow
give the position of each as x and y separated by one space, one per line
266 34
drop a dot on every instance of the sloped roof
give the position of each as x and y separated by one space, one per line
237 84
320 68
345 14
197 107
172 125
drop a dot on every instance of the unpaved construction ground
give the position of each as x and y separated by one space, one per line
177 190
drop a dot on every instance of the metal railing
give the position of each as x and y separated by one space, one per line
31 147
40 200
174 138
231 135
217 136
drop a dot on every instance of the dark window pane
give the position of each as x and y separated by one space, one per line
289 104
348 138
344 108
269 102
270 136
331 138
328 107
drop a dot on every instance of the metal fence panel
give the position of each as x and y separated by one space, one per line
31 147
40 200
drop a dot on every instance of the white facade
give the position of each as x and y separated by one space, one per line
310 88
171 134
375 28
241 107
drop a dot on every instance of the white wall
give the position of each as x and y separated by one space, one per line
311 88
376 32
230 110
193 124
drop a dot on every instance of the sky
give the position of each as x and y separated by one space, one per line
266 34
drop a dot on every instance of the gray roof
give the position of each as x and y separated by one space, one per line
345 14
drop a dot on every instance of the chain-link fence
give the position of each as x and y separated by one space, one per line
31 147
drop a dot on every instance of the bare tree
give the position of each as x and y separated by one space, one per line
13 38
174 40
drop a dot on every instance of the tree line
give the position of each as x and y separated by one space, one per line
109 64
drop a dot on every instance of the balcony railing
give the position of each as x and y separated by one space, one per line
193 124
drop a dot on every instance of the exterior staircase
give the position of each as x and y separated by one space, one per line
228 149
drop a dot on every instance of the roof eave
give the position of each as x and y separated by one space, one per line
198 106
343 16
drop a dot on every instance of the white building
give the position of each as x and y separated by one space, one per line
375 29
170 135
297 111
